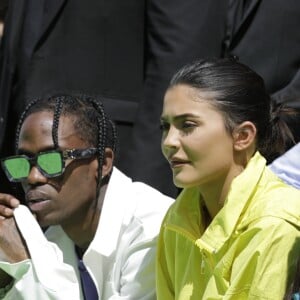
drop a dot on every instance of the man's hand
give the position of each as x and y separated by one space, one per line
12 246
7 204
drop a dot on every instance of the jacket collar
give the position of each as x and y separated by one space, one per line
114 210
113 217
240 194
186 211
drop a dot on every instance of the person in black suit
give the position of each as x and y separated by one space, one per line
178 32
62 46
3 8
98 49
265 36
261 34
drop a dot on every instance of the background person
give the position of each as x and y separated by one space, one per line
262 34
104 225
234 229
177 32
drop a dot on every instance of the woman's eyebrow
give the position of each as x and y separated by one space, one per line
181 116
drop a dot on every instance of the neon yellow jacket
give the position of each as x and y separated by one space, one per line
249 251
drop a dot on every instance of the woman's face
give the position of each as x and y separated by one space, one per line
194 139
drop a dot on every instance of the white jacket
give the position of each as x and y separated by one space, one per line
120 259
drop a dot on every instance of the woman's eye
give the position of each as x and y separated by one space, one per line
188 125
164 126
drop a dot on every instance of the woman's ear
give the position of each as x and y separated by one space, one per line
244 136
108 162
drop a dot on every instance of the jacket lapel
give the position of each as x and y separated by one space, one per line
52 8
14 29
241 27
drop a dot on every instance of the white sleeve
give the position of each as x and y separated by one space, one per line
45 275
287 166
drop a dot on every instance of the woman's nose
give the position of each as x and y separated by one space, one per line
170 139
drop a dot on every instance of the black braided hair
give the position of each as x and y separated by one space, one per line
102 132
21 120
114 135
90 121
56 116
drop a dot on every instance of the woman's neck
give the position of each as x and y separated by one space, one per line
215 193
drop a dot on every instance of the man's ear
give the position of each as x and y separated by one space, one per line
108 162
244 136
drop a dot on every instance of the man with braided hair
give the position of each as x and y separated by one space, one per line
99 228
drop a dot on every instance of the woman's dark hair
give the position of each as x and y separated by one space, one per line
90 121
240 95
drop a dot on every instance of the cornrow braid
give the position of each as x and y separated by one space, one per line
56 116
114 136
102 133
21 120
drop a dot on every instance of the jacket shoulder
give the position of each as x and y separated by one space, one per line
275 199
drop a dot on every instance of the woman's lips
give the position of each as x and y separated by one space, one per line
175 163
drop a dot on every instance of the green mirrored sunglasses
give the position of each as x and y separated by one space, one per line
49 163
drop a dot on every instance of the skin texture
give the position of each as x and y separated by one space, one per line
12 247
200 150
10 239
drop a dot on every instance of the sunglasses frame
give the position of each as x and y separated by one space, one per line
64 155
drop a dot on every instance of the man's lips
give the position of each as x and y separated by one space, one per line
36 200
36 196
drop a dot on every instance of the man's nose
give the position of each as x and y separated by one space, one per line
35 176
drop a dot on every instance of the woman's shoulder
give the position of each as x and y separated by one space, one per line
277 200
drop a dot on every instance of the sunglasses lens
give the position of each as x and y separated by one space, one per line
16 168
50 163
